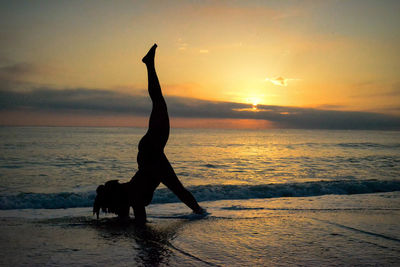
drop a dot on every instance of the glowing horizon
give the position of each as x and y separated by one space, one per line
328 55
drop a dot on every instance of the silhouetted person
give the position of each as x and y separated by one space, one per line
153 165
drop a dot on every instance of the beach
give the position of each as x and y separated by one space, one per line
332 230
243 133
274 198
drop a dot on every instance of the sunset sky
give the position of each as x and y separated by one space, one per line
230 64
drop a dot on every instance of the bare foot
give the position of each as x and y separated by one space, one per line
149 57
200 211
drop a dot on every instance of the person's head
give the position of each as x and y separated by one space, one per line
110 198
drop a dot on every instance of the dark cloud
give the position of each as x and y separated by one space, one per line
17 72
328 106
13 76
75 99
104 101
18 69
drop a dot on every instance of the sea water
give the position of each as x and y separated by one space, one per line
263 189
60 167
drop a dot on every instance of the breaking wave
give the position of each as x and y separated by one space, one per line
206 193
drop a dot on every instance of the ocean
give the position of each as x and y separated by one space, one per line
271 196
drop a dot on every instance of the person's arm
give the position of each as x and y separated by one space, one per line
140 214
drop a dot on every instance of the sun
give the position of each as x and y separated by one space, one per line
254 101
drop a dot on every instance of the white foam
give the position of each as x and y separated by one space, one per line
206 193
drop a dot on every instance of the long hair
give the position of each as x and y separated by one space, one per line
110 198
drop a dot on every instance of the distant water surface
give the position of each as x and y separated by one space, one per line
54 160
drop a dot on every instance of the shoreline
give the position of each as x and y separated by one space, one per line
326 230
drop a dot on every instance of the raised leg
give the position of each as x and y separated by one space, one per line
159 121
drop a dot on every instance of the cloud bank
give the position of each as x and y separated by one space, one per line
90 101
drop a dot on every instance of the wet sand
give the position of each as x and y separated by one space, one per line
312 231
